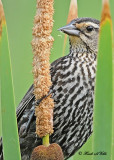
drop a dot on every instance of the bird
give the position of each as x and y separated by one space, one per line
73 83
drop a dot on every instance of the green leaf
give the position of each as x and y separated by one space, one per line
9 122
82 154
0 101
112 154
103 94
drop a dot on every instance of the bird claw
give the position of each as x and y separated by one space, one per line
40 100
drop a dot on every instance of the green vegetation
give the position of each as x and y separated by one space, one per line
9 123
102 140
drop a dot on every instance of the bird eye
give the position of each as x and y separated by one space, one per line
89 28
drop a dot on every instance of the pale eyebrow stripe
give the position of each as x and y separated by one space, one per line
93 24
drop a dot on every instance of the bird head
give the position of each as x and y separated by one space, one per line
83 31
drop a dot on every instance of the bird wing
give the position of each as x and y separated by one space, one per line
29 96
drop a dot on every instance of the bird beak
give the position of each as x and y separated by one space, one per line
70 29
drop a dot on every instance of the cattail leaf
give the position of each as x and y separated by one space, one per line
2 19
73 13
0 102
103 90
0 44
112 149
84 152
9 123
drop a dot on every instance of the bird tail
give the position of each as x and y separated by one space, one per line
1 149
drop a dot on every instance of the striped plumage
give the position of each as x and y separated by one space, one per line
73 78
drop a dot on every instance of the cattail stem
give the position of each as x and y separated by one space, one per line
45 140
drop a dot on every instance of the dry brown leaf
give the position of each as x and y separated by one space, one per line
106 11
1 17
73 13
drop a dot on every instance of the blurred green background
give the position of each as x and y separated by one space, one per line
19 17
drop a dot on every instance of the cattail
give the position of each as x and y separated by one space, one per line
52 152
42 43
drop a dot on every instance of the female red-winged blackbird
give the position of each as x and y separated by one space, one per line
73 78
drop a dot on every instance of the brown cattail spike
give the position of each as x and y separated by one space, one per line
44 122
42 43
52 152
